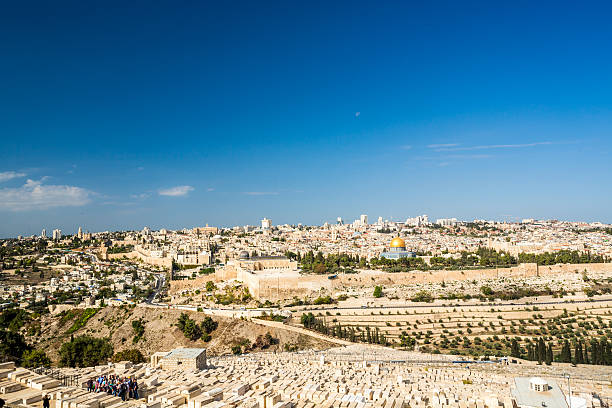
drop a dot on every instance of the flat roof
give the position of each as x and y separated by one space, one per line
185 353
526 397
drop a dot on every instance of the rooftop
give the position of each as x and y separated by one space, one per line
185 353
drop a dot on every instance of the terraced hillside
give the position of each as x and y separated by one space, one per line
471 328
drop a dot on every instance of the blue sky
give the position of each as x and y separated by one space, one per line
117 115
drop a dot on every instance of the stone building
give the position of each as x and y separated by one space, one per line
184 359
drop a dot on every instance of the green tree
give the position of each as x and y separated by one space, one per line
209 325
486 290
515 350
36 358
85 351
191 330
566 353
378 291
12 345
210 286
541 351
139 329
549 355
578 353
133 355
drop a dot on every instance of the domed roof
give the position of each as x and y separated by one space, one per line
398 243
243 255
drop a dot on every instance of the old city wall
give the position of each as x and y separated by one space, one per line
368 278
163 262
271 287
287 287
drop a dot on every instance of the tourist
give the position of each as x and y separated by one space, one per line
46 400
135 387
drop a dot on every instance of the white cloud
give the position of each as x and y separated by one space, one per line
500 146
177 191
357 114
33 195
140 196
260 193
9 175
406 147
210 189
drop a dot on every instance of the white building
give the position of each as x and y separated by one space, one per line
57 234
266 224
446 222
363 219
43 234
418 220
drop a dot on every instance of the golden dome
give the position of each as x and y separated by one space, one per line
398 243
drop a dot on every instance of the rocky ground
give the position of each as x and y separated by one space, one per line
161 333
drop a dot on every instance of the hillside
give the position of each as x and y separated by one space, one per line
160 331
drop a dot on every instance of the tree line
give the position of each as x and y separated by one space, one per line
350 333
597 352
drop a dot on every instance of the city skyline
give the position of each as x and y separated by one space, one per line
142 114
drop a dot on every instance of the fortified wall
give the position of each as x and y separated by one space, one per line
163 262
369 278
286 283
305 285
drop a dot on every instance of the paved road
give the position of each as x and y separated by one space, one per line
161 280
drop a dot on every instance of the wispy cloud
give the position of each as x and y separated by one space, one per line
140 196
260 193
33 195
9 175
498 146
439 145
209 189
357 114
406 147
177 191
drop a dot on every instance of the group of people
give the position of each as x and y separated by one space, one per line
124 388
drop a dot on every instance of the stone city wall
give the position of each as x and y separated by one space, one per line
369 278
273 287
163 262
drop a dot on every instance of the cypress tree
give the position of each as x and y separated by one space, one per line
530 353
515 350
595 355
607 354
566 352
541 351
578 353
549 355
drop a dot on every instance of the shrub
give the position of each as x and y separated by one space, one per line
422 296
85 351
209 325
36 358
133 355
82 320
